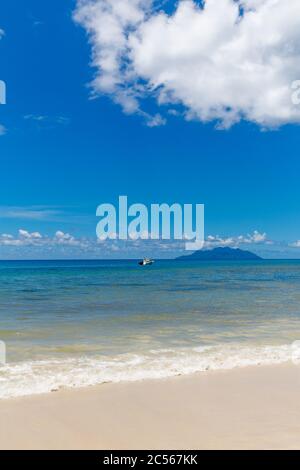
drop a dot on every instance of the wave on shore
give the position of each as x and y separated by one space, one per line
37 377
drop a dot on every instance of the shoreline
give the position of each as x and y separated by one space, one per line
38 377
249 408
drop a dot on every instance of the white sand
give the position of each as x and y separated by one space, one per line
251 408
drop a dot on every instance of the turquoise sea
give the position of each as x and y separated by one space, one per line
78 323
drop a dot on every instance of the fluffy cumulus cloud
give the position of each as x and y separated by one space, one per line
25 235
234 242
62 240
34 245
219 60
35 239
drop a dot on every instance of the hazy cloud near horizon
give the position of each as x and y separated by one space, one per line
33 244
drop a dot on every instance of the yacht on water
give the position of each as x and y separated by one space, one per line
146 262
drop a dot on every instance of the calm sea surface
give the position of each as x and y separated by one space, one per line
77 323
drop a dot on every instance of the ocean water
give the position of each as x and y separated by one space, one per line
79 323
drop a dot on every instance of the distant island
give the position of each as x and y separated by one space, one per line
221 254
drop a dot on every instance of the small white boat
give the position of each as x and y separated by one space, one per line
146 262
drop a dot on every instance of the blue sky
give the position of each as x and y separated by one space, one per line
63 153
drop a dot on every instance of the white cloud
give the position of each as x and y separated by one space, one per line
254 238
36 239
227 61
30 212
155 121
35 117
61 241
47 120
62 238
24 238
108 23
258 237
35 245
24 234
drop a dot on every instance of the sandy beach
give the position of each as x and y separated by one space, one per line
249 408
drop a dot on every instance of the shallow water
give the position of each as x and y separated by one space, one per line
75 323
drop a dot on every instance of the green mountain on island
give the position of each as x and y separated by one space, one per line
221 254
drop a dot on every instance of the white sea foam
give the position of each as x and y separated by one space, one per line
37 377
